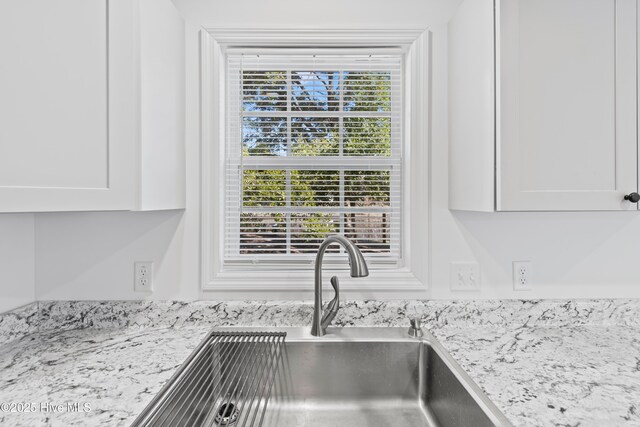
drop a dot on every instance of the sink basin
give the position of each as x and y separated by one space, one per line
349 377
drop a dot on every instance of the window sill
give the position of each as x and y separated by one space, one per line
286 281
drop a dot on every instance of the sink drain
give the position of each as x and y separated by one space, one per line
227 414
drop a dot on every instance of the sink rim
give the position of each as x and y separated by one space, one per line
342 334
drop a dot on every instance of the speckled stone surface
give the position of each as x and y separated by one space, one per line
18 323
434 313
550 376
115 372
543 363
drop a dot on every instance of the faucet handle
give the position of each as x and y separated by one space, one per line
335 302
333 306
415 330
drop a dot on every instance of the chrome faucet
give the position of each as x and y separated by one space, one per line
358 266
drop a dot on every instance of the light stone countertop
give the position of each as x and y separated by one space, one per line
115 371
541 376
543 363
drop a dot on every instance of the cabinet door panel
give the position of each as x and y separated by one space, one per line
567 100
54 112
56 151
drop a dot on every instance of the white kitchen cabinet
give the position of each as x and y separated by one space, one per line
543 105
91 105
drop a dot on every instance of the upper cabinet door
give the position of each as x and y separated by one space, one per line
58 147
566 119
92 105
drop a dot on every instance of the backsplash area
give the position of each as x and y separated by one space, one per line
17 323
48 315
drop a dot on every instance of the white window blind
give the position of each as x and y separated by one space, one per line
313 147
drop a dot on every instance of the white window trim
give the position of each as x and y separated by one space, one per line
408 280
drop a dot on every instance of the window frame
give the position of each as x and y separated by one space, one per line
410 277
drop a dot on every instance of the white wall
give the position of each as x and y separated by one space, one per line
91 255
17 285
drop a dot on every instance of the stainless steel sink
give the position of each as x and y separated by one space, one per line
349 377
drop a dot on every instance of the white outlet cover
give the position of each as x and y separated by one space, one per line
464 276
143 276
522 275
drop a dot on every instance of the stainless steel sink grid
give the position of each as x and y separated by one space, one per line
349 377
225 382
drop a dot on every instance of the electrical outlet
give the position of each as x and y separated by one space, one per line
143 277
464 276
522 275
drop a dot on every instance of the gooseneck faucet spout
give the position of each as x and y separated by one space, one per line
358 268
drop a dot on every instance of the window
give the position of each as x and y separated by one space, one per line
307 132
313 147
